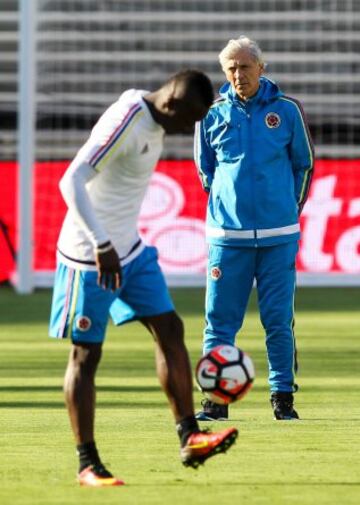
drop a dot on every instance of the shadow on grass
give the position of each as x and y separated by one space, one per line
100 404
110 389
118 403
240 483
35 308
156 388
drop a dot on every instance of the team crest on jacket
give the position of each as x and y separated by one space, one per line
83 323
272 120
215 273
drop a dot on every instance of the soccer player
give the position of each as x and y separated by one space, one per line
103 265
255 159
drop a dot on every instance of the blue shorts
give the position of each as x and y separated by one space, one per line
80 308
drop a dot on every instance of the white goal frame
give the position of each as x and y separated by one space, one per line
26 279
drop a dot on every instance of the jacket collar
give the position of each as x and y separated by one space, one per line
268 91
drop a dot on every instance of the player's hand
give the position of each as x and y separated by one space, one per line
108 267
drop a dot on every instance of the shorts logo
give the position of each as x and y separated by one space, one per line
215 273
83 323
272 120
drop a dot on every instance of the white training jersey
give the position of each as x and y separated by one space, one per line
122 151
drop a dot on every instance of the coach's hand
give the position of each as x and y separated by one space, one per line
108 267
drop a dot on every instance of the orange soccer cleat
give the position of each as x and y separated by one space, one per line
202 445
98 476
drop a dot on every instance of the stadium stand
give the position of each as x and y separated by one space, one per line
88 51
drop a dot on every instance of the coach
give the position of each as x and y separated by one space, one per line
255 159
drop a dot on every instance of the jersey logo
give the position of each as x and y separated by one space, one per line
272 120
83 323
145 149
215 273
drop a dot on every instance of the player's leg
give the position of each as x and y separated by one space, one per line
79 390
80 312
276 278
229 281
174 373
172 362
145 297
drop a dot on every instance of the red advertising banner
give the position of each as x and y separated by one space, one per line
331 219
172 217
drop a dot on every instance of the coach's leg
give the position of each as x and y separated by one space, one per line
172 362
79 389
276 279
230 278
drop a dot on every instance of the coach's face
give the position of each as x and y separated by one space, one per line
243 72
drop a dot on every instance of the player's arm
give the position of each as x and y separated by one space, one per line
204 156
112 137
302 157
73 190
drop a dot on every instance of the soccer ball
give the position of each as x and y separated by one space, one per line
225 374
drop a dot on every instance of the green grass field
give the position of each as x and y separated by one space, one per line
311 462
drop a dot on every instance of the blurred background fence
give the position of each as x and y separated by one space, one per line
88 51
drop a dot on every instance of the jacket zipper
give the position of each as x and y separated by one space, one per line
249 120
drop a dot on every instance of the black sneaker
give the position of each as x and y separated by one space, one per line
283 406
212 412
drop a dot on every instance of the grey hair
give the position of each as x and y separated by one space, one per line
235 45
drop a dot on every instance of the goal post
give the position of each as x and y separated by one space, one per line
24 279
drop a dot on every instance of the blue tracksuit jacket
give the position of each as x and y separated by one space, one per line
255 158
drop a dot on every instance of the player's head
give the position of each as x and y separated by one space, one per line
243 64
184 99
